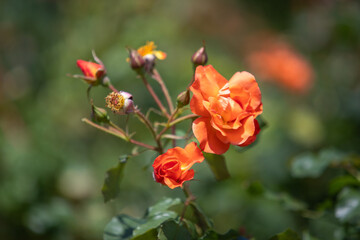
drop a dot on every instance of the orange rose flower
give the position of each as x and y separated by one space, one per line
90 69
173 167
227 109
280 63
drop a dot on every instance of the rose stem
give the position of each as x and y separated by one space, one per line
189 198
153 94
116 132
159 79
150 127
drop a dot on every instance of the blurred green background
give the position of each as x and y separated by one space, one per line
52 165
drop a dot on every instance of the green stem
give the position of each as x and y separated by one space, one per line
152 130
178 120
153 94
118 132
158 78
189 198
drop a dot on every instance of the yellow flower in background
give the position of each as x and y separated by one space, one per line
148 51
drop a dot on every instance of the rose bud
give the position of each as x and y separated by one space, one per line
173 167
200 57
135 59
93 72
99 115
120 102
183 99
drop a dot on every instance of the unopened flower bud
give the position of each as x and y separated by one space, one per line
183 99
99 115
200 57
120 102
136 60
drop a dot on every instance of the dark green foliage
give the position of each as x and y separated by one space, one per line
111 187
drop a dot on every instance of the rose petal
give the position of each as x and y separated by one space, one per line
245 90
240 135
207 84
206 135
252 138
193 156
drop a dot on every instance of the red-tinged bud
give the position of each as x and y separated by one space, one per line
135 59
90 69
183 99
200 57
94 73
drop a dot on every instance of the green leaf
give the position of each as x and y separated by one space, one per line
152 234
154 222
192 228
230 235
287 235
121 227
111 186
313 165
163 205
201 219
172 230
217 165
348 206
340 182
156 215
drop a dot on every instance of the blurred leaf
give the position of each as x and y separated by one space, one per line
255 188
121 227
230 235
312 165
111 187
287 235
262 122
340 182
348 206
217 165
172 230
306 236
287 201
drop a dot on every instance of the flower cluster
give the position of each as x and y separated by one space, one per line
225 111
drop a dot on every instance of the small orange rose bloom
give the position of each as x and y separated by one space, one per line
173 167
90 69
227 109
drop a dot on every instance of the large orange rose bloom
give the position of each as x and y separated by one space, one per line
227 109
173 167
